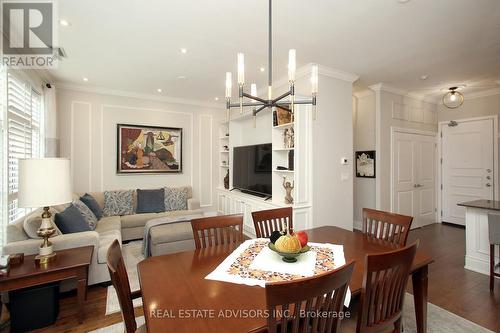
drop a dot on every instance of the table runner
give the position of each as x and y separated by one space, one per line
254 264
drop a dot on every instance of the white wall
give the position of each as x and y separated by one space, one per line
364 139
472 107
88 134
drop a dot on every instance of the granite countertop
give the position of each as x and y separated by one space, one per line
484 204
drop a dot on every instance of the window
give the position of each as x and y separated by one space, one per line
24 116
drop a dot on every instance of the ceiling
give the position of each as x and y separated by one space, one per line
135 46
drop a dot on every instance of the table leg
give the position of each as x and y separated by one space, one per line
81 291
420 286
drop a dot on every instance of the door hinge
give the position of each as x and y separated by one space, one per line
441 213
441 134
441 160
441 187
435 209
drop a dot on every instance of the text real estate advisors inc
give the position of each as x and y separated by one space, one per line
240 313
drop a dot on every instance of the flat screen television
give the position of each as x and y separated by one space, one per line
252 169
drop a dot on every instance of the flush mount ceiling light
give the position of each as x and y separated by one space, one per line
453 98
285 101
85 79
159 90
184 50
64 23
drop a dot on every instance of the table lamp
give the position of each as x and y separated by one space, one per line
44 182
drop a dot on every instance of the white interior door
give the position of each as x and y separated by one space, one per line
414 177
467 166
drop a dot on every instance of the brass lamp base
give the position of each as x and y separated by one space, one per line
45 259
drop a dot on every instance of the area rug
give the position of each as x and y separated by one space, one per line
118 327
438 320
132 255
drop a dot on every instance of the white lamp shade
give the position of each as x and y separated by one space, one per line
44 182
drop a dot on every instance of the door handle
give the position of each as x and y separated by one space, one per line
488 185
488 170
417 185
488 177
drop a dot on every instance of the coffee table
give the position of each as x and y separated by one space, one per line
70 264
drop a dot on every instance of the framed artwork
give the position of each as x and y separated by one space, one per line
148 149
365 164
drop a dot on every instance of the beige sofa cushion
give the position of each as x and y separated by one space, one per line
171 232
32 222
105 240
137 220
15 233
108 223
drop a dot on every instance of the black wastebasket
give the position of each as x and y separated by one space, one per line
33 307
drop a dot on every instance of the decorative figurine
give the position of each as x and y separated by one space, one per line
288 188
288 138
226 181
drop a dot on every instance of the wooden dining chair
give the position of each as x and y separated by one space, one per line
267 221
302 306
387 226
119 279
383 290
494 238
217 230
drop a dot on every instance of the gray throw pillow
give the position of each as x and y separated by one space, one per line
87 214
118 203
91 202
71 220
150 201
175 199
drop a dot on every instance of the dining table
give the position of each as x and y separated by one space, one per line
177 297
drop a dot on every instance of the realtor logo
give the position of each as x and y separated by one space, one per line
28 34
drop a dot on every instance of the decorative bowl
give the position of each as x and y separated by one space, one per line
289 257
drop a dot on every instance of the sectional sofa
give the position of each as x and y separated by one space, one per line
109 228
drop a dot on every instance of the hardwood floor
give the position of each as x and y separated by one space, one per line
451 287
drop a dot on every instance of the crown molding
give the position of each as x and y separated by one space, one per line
483 93
393 90
137 95
363 93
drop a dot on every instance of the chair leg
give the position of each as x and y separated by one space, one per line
492 267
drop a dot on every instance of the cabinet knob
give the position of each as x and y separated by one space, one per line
488 185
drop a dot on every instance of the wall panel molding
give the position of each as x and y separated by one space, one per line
205 146
73 129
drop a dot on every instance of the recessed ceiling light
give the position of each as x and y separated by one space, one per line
262 69
184 50
159 90
181 77
424 77
216 98
85 79
64 23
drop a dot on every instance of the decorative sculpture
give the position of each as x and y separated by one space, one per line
288 138
288 188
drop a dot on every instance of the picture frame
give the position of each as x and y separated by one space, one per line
143 149
365 164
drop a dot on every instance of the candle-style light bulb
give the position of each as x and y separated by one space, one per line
253 91
229 84
314 79
241 69
292 65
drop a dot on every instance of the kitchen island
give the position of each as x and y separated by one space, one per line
477 248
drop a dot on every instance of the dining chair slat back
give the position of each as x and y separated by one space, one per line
383 291
217 230
119 279
267 221
390 227
299 306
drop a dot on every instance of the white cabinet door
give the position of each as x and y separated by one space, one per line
467 166
414 177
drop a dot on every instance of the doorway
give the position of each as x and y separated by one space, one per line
468 164
413 190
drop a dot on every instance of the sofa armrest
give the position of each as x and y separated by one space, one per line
61 242
193 204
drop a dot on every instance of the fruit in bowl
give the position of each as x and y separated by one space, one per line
289 246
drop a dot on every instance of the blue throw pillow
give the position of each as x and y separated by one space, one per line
71 220
150 201
89 200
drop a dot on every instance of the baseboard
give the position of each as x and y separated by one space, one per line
358 225
477 265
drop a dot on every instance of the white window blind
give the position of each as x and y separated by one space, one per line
24 113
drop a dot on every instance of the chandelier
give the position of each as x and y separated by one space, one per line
453 99
286 101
